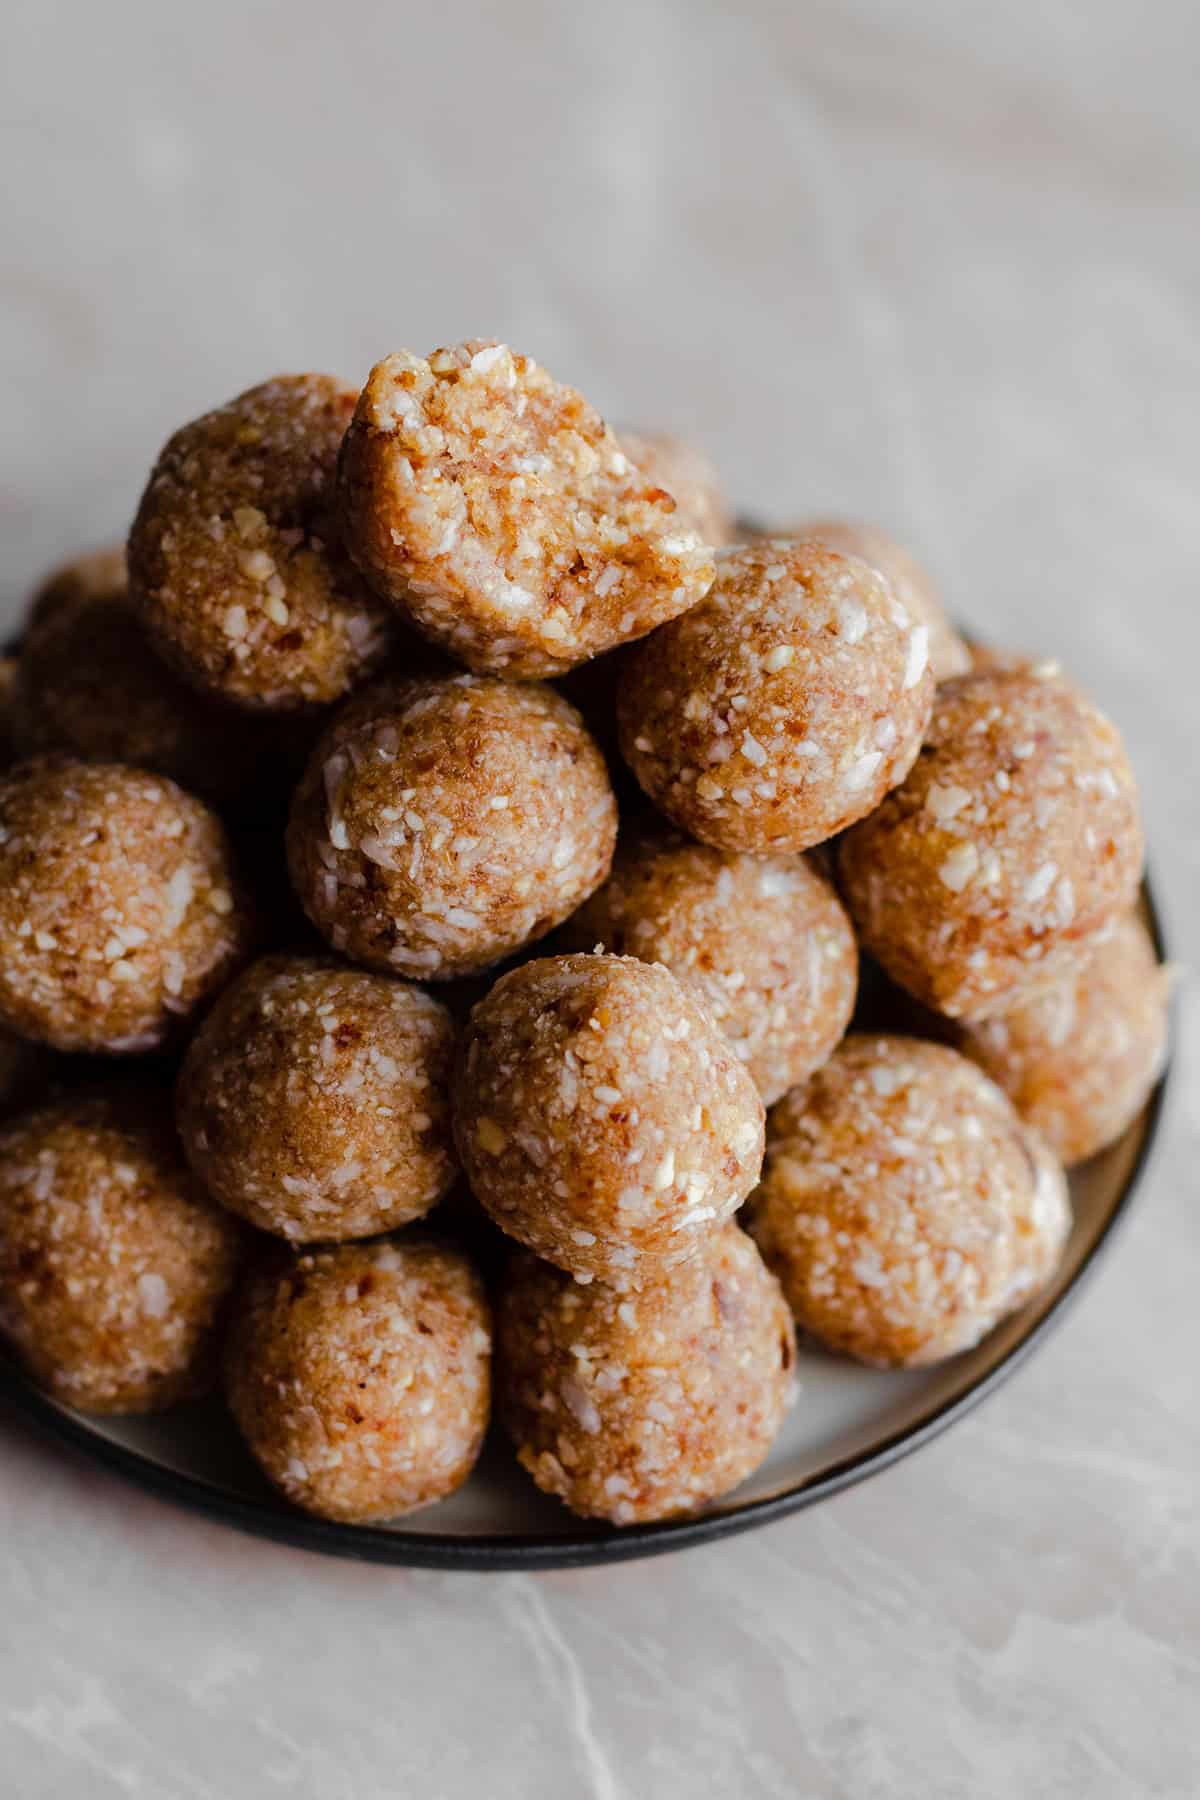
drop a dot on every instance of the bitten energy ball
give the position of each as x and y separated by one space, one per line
763 940
601 1118
89 684
114 1264
497 509
784 706
688 476
444 823
1079 1058
902 1205
645 1406
1013 845
235 559
911 584
359 1376
119 911
314 1100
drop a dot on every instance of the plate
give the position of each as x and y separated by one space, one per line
848 1423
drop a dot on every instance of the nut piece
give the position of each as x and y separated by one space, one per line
1079 1058
601 1118
948 652
903 1205
1014 844
359 1376
645 1406
234 558
784 706
314 1100
763 941
114 1264
444 823
688 476
119 909
497 509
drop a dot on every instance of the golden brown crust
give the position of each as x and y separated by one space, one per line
114 1264
645 1406
601 1118
359 1376
496 508
314 1100
120 912
763 940
1012 846
444 823
784 706
235 559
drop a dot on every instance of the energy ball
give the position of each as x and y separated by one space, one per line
314 1100
114 1264
96 575
948 652
235 559
601 1118
1079 1058
902 1205
119 910
688 476
763 940
499 512
444 823
1012 847
360 1376
89 684
639 1407
784 706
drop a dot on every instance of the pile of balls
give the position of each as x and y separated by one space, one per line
424 860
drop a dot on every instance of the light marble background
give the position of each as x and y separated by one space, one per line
937 264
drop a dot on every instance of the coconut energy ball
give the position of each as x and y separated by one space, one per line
1079 1058
314 1100
96 575
499 512
114 1264
601 1118
89 684
119 909
444 823
645 1406
909 582
235 559
763 940
1013 845
359 1376
688 476
784 706
902 1205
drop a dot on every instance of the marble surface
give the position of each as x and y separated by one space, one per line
930 263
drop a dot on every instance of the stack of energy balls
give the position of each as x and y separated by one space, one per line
326 952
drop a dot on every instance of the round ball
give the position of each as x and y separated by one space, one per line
1079 1058
114 1264
96 575
359 1376
688 476
444 823
648 1406
499 512
784 706
902 1205
764 942
235 560
601 1118
1012 846
948 652
314 1100
119 910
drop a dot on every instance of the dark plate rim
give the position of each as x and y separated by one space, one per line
272 1519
